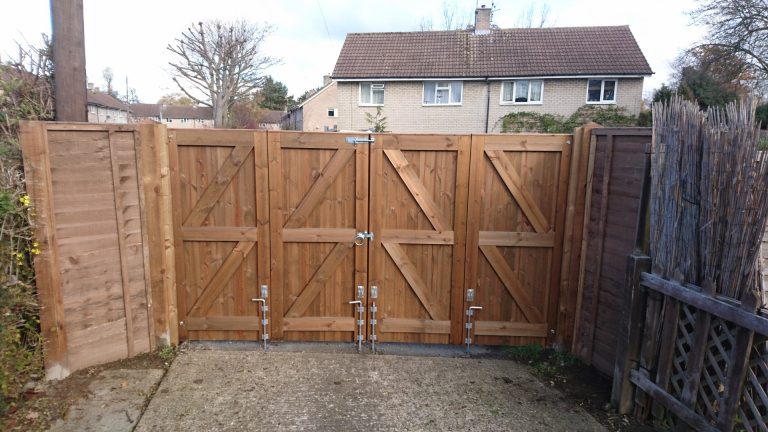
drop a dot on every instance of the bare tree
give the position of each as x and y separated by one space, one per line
534 17
452 19
739 28
109 76
218 63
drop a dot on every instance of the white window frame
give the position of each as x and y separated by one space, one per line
602 91
378 85
447 85
514 92
335 112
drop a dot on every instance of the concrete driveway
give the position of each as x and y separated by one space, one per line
215 389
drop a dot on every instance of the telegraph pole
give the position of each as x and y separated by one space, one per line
69 60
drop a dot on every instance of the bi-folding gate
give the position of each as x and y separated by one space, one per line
405 223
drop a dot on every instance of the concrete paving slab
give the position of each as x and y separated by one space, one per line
115 402
234 390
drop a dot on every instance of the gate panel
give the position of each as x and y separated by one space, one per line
318 198
418 217
223 225
515 232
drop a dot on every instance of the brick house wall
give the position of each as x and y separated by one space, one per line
315 116
405 113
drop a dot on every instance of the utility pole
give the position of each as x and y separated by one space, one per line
71 102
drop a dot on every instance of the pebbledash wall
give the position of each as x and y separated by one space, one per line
405 113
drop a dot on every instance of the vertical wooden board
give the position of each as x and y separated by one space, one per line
276 220
261 192
556 257
38 177
175 249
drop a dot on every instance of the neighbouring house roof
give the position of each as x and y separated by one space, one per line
272 117
106 100
172 111
524 52
317 93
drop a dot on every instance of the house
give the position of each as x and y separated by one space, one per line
175 116
466 80
319 112
105 108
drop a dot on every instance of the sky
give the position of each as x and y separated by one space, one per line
131 36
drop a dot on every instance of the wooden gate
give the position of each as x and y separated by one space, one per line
220 193
319 201
515 223
418 218
447 213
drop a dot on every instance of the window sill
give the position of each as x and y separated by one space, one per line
441 105
369 105
520 103
601 103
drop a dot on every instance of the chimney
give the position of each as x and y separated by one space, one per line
482 20
326 80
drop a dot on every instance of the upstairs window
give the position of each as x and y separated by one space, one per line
442 92
601 91
371 93
522 92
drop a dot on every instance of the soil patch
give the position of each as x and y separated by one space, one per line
47 401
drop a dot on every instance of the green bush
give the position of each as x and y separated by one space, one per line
25 94
610 116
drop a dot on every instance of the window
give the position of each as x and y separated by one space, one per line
332 112
522 92
442 92
371 93
92 109
601 91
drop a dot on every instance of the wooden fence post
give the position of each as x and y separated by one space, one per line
156 183
628 349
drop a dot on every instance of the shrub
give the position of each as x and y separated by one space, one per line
25 94
611 116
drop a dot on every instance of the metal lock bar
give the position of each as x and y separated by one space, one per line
374 308
468 341
360 322
356 140
373 337
362 236
469 326
372 321
265 321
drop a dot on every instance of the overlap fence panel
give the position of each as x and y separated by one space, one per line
93 270
614 188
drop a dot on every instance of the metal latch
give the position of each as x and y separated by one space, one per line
356 140
362 236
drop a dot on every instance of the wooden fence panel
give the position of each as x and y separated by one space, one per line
615 188
419 186
515 223
222 222
93 269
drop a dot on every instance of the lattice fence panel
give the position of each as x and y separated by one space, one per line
683 344
753 410
714 373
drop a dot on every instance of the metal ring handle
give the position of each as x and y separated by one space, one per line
359 239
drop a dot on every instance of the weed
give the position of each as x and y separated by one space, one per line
546 363
167 353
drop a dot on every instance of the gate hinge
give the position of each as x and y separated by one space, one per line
356 140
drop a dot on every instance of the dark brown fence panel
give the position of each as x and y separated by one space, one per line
616 184
93 270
